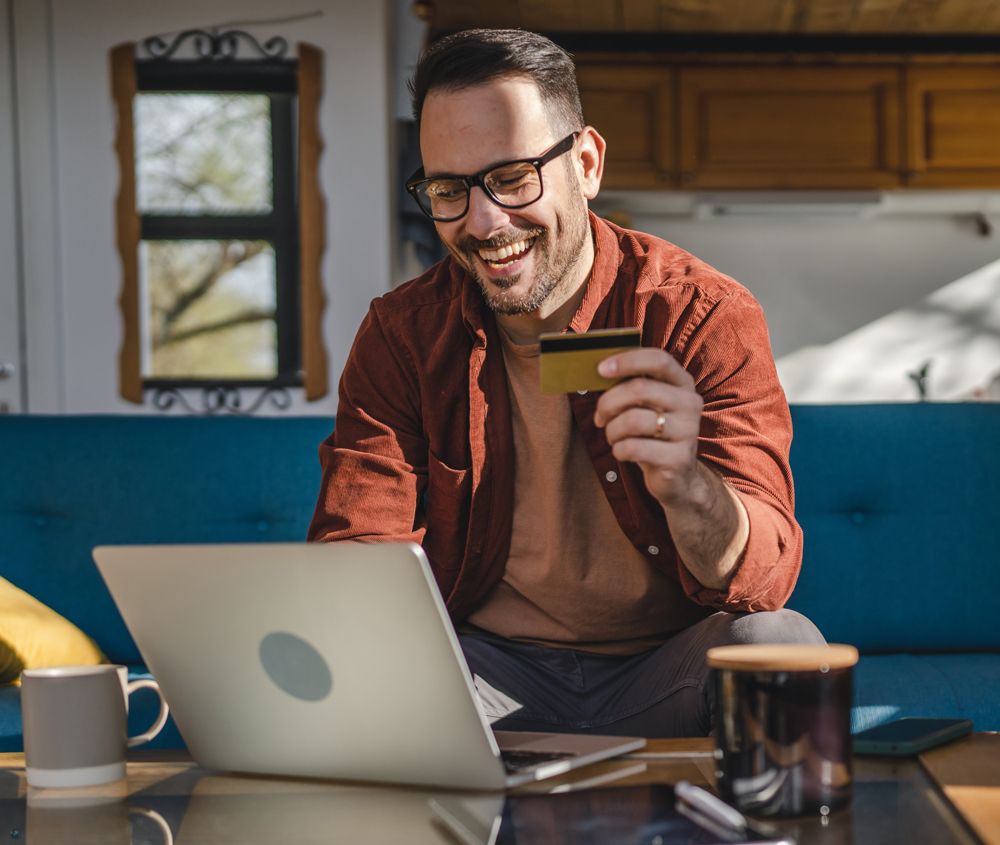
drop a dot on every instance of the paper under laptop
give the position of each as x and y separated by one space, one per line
330 660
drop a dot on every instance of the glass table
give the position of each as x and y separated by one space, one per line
167 798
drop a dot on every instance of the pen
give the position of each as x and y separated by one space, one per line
707 804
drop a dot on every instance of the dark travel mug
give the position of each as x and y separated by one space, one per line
783 727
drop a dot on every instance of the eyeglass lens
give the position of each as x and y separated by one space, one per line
510 185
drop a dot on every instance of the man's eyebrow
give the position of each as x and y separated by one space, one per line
482 170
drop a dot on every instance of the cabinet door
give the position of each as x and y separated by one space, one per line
954 126
790 127
632 108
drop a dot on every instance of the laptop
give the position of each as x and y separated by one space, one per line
333 660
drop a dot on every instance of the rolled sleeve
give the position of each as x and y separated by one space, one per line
374 464
745 437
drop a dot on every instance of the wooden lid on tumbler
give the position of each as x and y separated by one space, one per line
782 657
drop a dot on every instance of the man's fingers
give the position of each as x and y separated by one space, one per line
646 361
646 393
644 422
655 453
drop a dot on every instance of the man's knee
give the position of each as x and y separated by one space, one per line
773 626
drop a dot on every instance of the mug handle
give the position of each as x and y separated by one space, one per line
158 820
161 720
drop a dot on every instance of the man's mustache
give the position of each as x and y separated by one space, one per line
470 244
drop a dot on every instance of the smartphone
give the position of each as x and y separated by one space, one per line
910 736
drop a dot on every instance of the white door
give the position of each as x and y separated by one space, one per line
11 370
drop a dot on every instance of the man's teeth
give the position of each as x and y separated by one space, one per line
502 253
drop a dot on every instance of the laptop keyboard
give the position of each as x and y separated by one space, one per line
517 761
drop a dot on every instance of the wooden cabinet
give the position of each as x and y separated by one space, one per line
789 127
632 107
738 123
953 117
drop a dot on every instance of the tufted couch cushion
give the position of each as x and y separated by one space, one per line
71 483
946 686
900 505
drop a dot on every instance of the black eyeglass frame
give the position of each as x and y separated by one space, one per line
417 179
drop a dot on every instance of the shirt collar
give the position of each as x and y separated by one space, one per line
607 260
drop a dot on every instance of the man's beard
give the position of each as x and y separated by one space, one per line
552 263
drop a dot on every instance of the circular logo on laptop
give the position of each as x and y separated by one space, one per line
295 666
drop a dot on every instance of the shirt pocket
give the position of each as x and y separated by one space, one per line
446 505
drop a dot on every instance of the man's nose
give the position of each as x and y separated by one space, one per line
485 218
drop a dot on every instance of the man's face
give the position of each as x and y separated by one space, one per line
465 131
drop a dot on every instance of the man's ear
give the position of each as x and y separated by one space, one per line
590 161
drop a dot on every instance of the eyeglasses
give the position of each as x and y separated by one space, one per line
512 184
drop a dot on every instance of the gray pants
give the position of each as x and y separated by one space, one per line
659 693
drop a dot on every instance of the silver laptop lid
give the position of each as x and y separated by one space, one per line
325 660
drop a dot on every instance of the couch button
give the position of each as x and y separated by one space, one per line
858 518
40 521
611 476
653 550
263 525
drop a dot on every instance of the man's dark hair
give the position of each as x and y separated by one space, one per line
476 56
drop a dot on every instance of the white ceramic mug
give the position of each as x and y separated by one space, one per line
75 723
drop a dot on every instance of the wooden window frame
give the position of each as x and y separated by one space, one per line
296 228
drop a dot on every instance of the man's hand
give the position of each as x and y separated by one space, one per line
653 418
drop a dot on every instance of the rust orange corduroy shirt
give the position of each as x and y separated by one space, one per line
422 450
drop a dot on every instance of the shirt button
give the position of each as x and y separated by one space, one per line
611 475
653 550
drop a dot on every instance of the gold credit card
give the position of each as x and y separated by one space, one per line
569 360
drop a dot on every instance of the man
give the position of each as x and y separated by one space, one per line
589 547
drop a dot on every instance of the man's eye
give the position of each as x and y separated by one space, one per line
446 191
510 179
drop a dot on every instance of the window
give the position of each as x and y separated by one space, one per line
219 217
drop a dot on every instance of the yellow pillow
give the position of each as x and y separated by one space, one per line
35 636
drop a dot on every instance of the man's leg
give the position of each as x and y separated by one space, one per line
672 695
538 689
661 693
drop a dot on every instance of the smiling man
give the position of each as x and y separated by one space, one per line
590 547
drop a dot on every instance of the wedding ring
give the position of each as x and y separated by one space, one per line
661 422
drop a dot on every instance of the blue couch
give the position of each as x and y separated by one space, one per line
900 505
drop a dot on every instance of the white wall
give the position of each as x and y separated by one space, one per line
820 276
951 339
10 282
77 271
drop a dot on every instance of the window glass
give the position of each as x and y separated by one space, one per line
203 153
208 309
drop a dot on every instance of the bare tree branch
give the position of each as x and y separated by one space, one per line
227 260
250 315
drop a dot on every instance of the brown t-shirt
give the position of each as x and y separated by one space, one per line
572 578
